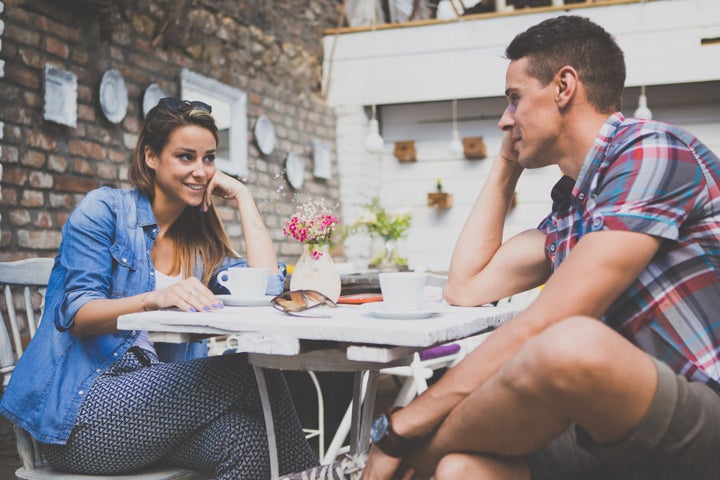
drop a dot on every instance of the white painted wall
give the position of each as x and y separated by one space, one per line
413 72
464 59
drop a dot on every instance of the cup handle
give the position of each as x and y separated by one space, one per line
223 278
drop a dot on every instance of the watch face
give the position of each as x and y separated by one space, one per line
379 428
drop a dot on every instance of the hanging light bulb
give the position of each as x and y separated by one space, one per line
374 142
456 146
643 111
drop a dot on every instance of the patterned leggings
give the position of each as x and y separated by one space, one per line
203 414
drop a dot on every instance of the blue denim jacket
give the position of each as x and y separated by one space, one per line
105 253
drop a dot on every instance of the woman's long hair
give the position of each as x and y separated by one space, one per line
198 237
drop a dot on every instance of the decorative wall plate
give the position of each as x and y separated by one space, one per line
153 94
113 96
295 170
60 96
264 135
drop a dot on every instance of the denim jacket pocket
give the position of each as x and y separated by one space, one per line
124 268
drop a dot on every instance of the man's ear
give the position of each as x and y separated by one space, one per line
566 82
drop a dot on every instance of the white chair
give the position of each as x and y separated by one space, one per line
30 278
425 363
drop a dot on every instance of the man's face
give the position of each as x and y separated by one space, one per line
532 116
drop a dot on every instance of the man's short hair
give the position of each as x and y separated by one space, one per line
570 40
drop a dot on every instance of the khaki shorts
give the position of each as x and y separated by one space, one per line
678 439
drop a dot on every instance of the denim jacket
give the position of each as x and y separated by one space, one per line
105 253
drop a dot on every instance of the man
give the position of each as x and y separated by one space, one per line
572 387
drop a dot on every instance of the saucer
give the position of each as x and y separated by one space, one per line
113 96
231 301
379 310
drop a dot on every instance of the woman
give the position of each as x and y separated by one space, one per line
103 401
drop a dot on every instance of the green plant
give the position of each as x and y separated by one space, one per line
377 221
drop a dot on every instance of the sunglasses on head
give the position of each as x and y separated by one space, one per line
296 301
178 104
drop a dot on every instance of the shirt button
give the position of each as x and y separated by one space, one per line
553 247
80 392
98 370
115 354
152 274
581 196
124 260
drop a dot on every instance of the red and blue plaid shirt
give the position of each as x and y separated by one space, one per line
653 178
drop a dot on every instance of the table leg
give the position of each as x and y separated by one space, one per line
269 425
363 407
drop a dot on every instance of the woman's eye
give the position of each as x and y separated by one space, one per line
185 156
209 158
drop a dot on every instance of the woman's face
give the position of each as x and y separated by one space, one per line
184 167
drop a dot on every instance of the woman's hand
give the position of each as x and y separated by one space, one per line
189 295
222 185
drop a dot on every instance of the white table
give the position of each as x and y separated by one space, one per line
356 342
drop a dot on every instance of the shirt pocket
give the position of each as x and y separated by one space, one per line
124 269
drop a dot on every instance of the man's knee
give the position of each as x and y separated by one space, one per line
562 357
462 465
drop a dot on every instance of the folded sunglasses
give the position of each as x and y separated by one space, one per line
296 301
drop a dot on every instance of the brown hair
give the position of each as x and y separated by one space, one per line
575 41
198 236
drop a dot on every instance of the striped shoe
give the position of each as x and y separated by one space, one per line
349 468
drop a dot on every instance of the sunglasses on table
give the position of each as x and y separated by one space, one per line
296 301
179 105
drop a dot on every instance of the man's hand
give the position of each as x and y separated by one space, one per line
380 466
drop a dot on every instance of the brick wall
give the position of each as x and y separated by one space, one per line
270 50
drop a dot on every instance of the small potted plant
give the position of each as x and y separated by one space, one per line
438 198
385 229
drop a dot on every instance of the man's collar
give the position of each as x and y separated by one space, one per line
596 154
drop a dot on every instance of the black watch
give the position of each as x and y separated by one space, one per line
386 439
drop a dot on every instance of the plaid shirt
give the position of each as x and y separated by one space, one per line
656 179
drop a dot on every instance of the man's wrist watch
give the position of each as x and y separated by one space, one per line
386 439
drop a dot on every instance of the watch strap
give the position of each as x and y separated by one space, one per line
392 443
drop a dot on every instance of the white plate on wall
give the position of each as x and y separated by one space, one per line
231 301
153 94
113 96
264 135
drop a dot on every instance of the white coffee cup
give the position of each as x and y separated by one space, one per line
245 282
402 290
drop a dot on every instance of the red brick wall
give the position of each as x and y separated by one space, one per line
270 50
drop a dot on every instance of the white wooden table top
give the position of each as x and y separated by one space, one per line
267 330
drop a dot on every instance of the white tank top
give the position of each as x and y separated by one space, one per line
161 281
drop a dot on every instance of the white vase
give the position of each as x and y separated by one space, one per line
316 273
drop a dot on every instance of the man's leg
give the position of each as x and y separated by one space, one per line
578 370
467 465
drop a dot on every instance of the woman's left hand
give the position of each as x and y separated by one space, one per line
224 186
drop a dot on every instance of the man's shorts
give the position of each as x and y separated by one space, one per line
677 439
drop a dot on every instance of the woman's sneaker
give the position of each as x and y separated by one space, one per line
349 468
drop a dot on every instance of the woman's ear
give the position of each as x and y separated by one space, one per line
151 159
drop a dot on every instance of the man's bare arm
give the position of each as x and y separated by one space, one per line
482 268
